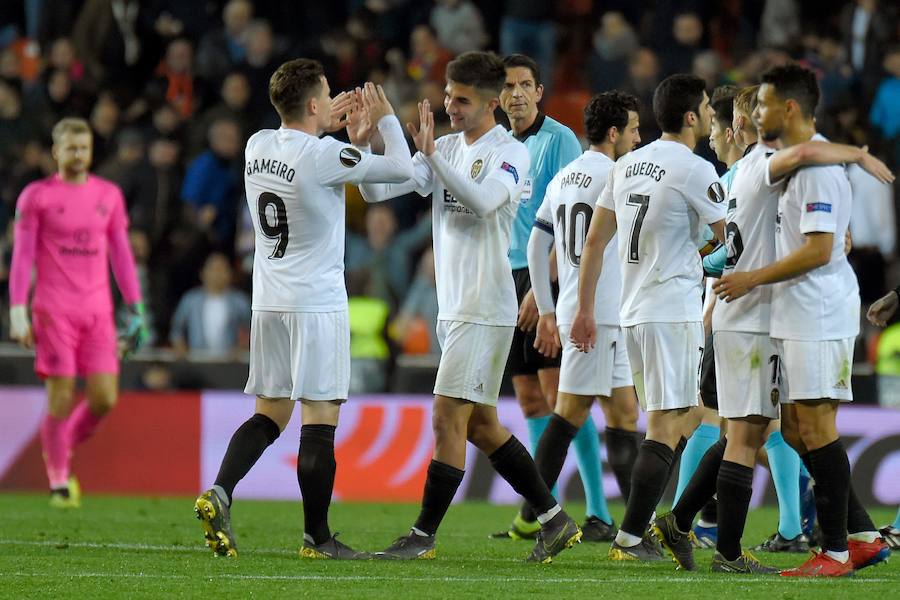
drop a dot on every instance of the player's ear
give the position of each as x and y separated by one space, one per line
493 103
729 134
538 93
612 134
312 106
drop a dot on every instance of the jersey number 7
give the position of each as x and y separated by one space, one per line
643 203
278 230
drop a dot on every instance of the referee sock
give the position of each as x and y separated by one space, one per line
590 466
551 454
831 471
621 452
648 480
703 437
440 487
784 463
734 486
513 463
315 473
701 487
536 427
246 446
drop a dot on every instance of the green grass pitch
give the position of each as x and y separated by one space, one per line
153 548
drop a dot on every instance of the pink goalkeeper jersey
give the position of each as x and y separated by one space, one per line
72 233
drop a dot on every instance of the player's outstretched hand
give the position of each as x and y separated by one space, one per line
135 334
875 167
584 332
546 339
20 328
376 102
733 286
883 309
340 107
528 313
423 137
359 125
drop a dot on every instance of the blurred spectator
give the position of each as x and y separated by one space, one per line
687 32
370 352
62 58
873 227
16 126
174 81
428 59
54 98
414 327
885 113
212 184
868 26
211 319
707 66
140 248
222 49
613 43
104 120
780 24
234 96
643 77
459 25
834 73
528 28
121 167
384 254
260 61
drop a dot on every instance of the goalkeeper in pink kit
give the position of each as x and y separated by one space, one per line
70 227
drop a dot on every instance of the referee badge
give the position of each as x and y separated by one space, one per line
476 168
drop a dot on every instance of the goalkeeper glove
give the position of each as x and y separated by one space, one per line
19 326
135 333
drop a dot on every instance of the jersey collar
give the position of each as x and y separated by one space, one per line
535 127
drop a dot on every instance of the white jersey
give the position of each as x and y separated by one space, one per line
566 214
295 190
750 241
473 274
662 195
822 304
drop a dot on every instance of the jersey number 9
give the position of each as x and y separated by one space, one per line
277 230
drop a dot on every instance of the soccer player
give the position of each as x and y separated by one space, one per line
475 177
814 322
657 199
72 226
535 377
299 334
611 123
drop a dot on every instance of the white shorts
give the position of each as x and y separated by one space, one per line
473 357
814 370
747 375
665 363
299 355
598 372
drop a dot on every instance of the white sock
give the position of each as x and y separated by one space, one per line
626 540
864 536
418 531
542 519
839 556
707 524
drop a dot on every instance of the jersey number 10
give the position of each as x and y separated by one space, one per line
278 230
573 238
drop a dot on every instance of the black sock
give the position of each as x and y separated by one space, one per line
513 463
648 480
315 473
701 487
710 511
440 487
831 470
857 518
246 446
551 454
734 487
679 449
621 452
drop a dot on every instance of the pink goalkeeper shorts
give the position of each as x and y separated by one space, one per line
74 344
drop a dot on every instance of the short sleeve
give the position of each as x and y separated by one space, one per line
606 199
818 195
511 169
704 192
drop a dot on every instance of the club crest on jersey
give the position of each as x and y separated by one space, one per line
350 157
475 171
775 396
511 170
818 207
716 192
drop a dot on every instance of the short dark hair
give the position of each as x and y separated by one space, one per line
609 109
520 60
481 70
796 83
722 103
674 96
293 84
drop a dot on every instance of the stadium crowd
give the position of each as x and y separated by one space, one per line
172 90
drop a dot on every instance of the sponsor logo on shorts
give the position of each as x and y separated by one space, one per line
475 171
841 385
479 388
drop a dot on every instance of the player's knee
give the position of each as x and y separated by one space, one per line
447 428
60 402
